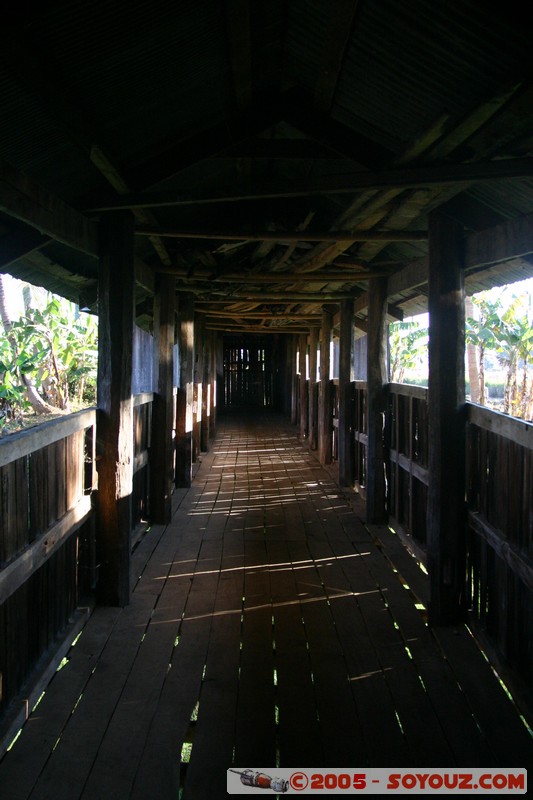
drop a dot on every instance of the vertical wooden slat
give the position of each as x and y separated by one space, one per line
446 506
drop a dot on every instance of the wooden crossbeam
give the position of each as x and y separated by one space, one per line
401 178
286 236
255 314
282 277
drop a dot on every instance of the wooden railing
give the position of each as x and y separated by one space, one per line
142 436
46 540
406 434
500 538
359 426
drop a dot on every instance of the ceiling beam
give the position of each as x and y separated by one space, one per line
276 277
401 178
29 202
286 236
211 312
296 297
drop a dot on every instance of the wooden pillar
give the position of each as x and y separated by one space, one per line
325 407
203 376
212 352
185 389
446 398
304 396
197 387
116 284
346 442
161 455
376 505
312 427
293 379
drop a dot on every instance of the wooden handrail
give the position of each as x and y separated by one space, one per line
517 430
20 444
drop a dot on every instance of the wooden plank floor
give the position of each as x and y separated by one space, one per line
268 627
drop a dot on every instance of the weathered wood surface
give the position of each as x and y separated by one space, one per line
267 626
408 457
115 407
376 402
500 540
446 437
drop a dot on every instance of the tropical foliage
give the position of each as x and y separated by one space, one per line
408 343
508 332
48 358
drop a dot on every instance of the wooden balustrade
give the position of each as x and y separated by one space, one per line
47 551
142 438
407 439
500 539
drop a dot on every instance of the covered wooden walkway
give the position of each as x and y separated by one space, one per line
268 627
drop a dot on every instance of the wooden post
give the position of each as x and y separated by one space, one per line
446 397
185 390
325 407
203 377
293 379
116 283
376 502
313 350
304 396
161 456
212 352
346 441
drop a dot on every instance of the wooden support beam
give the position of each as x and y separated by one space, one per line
313 355
115 408
346 276
285 236
446 417
325 407
265 315
161 454
304 397
293 346
27 201
184 418
401 178
203 376
346 442
376 508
